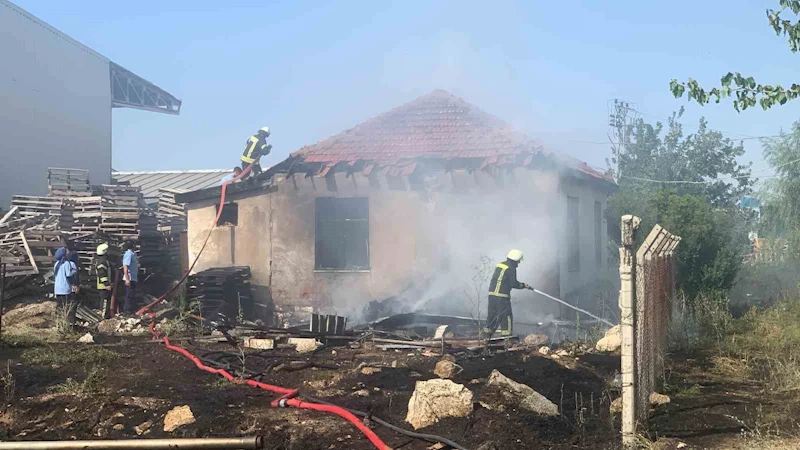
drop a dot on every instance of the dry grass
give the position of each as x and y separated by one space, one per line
92 385
48 355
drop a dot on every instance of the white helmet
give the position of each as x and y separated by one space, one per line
102 249
265 130
515 255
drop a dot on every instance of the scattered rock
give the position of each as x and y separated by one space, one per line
612 341
304 345
518 395
413 374
544 350
535 340
436 399
475 381
616 406
178 417
370 370
259 343
437 446
361 393
394 364
86 339
447 369
145 403
657 399
108 326
562 353
143 428
118 427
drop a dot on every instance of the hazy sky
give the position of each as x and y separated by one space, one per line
309 70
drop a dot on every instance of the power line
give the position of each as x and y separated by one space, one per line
715 180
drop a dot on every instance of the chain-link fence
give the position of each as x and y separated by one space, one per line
648 287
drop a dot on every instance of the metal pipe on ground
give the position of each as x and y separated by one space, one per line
246 443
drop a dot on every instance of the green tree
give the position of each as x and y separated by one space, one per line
781 197
746 91
655 164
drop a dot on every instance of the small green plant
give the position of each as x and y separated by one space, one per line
9 384
92 385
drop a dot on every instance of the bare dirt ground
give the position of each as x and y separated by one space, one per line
124 387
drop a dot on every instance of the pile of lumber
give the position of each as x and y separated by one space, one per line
68 182
222 291
171 223
29 207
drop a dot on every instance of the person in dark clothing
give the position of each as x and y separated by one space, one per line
102 269
504 279
255 148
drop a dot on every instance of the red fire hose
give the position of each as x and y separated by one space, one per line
288 395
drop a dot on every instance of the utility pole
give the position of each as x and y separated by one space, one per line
621 117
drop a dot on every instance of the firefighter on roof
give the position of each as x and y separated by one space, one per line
255 148
503 281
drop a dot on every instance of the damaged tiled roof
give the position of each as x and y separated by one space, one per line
437 125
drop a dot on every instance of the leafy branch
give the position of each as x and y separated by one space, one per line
746 90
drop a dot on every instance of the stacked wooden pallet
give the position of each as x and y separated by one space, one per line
223 291
27 248
33 206
171 214
68 182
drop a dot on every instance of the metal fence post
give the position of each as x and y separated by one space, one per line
629 225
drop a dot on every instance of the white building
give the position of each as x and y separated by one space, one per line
56 97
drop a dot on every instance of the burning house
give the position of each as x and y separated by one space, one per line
413 204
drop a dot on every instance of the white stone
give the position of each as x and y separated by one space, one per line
447 369
544 350
178 417
535 340
521 395
304 345
612 341
259 343
433 400
86 339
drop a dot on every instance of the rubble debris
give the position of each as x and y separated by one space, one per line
118 427
86 339
657 399
327 324
544 350
436 399
370 370
178 417
612 341
143 428
361 393
259 343
222 291
516 395
535 340
447 369
304 345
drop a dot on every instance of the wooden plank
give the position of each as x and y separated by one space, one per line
28 250
9 214
45 244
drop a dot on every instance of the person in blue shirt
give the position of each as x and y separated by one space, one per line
64 276
230 176
130 272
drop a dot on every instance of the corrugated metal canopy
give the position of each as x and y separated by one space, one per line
183 180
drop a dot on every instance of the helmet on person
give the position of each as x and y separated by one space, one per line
102 249
515 255
264 130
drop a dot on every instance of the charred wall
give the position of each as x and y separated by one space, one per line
425 237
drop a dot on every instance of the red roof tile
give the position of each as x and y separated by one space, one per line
436 125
